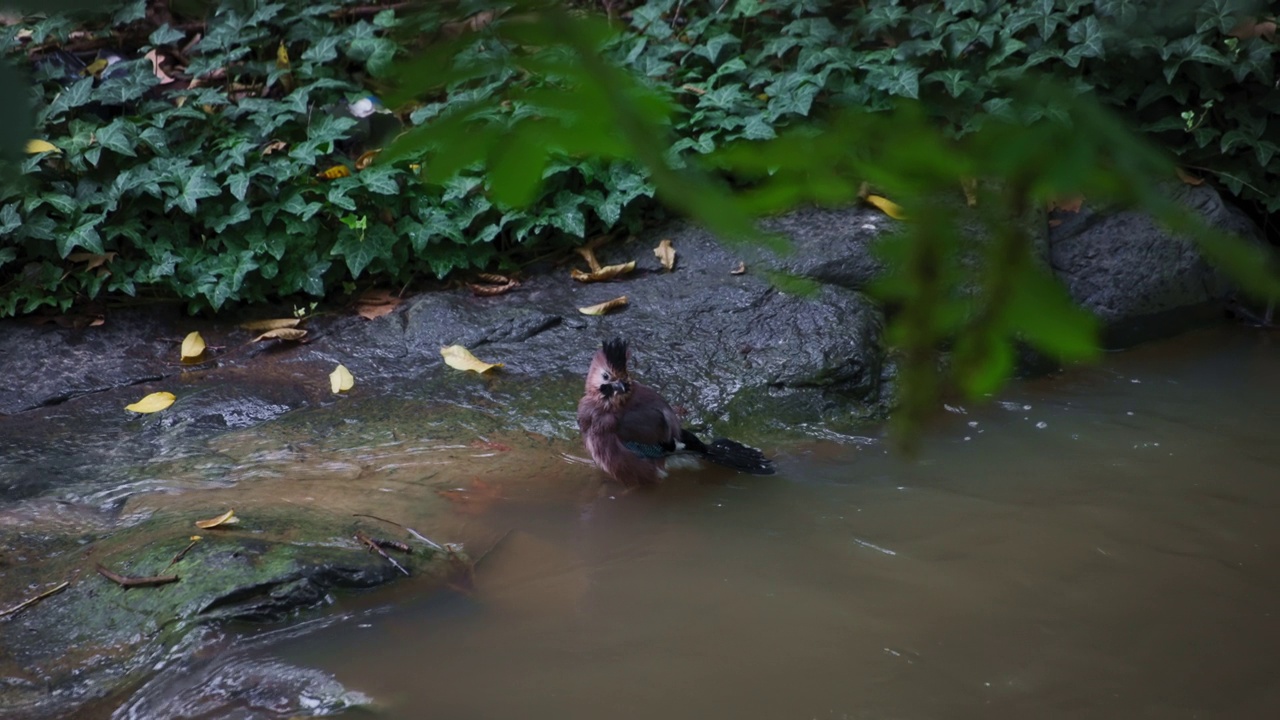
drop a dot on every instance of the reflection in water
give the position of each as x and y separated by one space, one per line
1104 544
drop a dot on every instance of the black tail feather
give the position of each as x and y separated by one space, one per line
739 457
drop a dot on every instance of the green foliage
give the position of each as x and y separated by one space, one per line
210 191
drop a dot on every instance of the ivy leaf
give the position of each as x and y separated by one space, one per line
895 80
360 249
953 80
238 184
380 179
712 47
166 35
75 95
84 236
194 187
118 137
1045 17
1086 34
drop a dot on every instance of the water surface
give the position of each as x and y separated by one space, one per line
1103 544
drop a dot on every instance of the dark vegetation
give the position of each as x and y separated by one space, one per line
222 159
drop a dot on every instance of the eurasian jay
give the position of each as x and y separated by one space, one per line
630 430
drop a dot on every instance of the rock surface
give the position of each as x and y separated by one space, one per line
1139 279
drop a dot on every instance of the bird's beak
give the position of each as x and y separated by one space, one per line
617 387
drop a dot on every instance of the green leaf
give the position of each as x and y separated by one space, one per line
238 184
85 235
165 35
895 80
358 249
1042 313
118 137
380 179
193 187
1087 36
516 166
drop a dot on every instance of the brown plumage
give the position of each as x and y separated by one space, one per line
630 430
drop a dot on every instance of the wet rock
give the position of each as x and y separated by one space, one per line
94 636
1140 280
700 333
48 364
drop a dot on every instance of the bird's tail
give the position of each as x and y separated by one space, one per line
730 454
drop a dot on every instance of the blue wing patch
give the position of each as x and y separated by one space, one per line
646 450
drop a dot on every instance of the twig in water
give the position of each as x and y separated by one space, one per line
432 543
28 603
132 582
178 558
373 547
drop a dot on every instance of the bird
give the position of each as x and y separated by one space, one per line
631 431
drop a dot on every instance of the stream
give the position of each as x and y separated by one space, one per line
1103 543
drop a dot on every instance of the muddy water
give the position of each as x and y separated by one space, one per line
1102 544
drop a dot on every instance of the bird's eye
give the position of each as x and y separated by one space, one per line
605 376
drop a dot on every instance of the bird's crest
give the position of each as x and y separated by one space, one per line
615 353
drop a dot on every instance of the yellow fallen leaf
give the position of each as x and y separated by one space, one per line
887 206
261 325
192 346
666 253
608 272
282 56
282 334
341 380
1188 178
604 307
460 358
155 402
95 67
226 518
39 146
334 172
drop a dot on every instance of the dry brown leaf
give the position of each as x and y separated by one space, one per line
273 146
607 272
740 270
605 307
460 358
970 187
666 254
693 89
92 260
1188 178
366 159
492 284
282 334
260 325
588 253
160 74
375 303
226 518
1251 28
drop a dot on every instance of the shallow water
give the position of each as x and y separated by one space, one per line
1102 544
